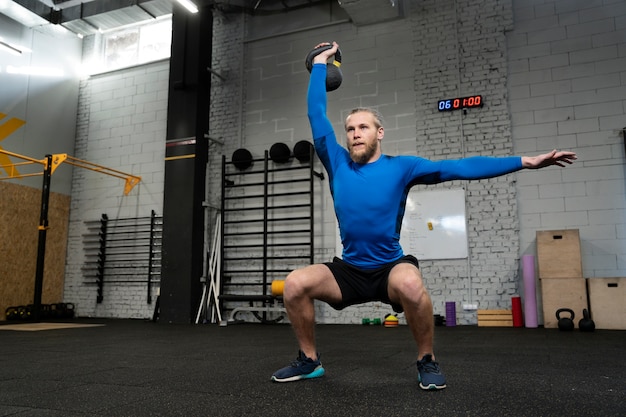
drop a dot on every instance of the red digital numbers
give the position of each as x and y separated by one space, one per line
460 103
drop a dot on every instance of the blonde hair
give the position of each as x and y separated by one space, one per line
378 118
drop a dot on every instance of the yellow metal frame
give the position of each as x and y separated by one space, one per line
57 160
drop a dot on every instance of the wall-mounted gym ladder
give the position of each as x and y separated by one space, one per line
267 223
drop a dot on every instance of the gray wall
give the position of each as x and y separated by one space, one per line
46 100
122 122
566 91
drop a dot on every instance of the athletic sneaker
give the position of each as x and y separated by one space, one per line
302 368
429 374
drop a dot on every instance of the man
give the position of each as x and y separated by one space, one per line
369 190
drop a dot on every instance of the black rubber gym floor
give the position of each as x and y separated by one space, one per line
141 368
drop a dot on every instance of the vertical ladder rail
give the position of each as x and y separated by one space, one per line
265 221
151 254
311 210
102 235
223 243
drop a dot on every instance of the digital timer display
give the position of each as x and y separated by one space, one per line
460 103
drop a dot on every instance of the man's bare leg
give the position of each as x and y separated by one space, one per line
302 287
407 289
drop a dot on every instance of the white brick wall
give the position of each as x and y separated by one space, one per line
226 97
462 59
122 123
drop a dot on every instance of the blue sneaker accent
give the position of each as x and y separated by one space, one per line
301 368
429 375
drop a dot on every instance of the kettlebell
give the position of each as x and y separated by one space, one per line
586 324
565 323
334 77
12 313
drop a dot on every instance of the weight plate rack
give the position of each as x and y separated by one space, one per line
122 252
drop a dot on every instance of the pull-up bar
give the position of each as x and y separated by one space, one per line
51 163
58 159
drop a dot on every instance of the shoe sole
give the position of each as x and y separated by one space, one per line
315 374
431 387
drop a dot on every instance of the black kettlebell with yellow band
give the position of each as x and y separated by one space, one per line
334 77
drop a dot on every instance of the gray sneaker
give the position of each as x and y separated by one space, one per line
429 375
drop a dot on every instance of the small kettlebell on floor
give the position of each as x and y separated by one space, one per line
565 323
586 324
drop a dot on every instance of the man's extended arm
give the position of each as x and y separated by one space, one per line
487 167
480 167
474 168
316 102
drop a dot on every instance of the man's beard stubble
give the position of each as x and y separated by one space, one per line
366 155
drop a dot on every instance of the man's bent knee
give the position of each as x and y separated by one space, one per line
294 284
405 284
314 281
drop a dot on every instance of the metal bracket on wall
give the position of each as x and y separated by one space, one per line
217 74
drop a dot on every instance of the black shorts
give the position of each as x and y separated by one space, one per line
363 285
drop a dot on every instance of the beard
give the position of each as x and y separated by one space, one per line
364 156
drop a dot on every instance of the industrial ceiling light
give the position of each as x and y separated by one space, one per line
189 5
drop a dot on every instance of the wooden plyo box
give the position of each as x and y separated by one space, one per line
495 318
563 293
607 302
558 254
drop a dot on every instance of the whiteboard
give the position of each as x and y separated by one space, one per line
435 225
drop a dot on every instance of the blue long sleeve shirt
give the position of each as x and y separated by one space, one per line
370 198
